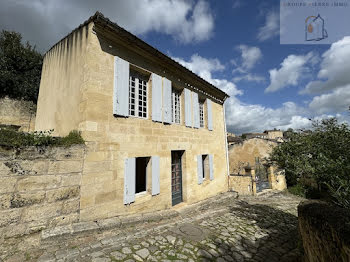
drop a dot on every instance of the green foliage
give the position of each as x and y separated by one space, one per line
297 190
20 68
11 138
318 160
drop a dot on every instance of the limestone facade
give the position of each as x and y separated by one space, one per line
77 91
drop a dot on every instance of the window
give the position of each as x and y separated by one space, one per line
141 174
205 163
137 95
201 114
176 106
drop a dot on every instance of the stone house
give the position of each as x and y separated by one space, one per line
155 131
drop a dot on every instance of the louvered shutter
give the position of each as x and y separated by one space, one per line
155 175
200 169
167 101
210 115
211 167
188 111
156 98
129 180
195 110
121 87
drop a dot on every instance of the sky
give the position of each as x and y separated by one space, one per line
233 44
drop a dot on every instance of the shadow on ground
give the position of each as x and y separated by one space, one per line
277 239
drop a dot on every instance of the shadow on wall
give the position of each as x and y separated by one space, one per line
277 239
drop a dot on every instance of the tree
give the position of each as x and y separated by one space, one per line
20 68
318 159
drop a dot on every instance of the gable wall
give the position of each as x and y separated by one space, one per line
60 95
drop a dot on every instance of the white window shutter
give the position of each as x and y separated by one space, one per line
210 115
156 98
129 180
155 176
195 110
211 167
167 117
188 111
121 87
200 169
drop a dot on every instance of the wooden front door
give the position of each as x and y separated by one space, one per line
176 177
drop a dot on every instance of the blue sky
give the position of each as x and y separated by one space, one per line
233 44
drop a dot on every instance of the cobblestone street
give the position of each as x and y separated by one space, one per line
223 228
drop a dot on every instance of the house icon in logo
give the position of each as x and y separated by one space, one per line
314 28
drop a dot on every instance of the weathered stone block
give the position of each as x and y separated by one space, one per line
7 184
4 170
64 220
105 197
8 217
5 201
71 179
26 199
62 193
15 230
69 166
96 166
39 212
71 206
56 231
38 183
71 153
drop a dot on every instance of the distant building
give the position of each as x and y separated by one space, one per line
274 134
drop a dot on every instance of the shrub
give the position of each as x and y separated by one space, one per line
12 138
318 161
297 190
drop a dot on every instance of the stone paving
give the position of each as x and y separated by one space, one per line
224 228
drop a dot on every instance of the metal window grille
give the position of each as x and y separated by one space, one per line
201 115
137 95
175 105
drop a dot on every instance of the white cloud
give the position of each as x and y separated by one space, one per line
204 68
250 56
336 101
45 22
271 27
292 69
335 68
242 117
249 78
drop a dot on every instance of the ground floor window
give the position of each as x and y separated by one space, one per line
205 163
141 174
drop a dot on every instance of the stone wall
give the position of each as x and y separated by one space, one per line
242 184
39 188
325 232
242 154
18 113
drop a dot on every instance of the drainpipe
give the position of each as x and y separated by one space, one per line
226 149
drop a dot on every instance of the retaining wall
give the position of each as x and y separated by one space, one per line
39 188
18 113
325 232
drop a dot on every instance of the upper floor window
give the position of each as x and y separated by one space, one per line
176 106
137 95
201 114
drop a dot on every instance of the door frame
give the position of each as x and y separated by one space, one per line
181 197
